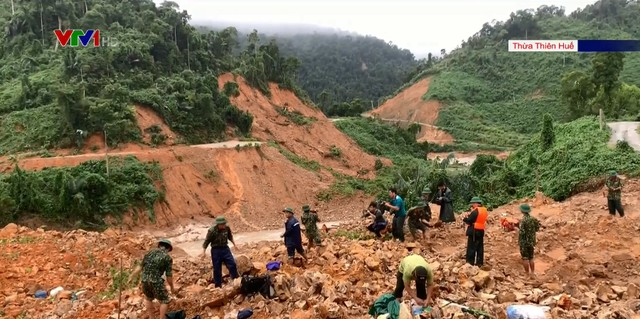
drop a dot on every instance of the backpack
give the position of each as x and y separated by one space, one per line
176 315
251 285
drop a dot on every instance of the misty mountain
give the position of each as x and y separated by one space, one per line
274 29
336 66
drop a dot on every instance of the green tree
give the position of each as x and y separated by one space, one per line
606 68
577 91
547 135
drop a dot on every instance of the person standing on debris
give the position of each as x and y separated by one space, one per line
614 196
476 220
379 223
528 227
396 207
219 236
156 262
415 268
310 220
419 216
444 198
292 236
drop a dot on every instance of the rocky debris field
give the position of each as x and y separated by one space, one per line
586 268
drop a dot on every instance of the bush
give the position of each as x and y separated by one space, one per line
84 193
381 139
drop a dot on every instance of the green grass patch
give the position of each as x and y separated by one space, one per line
304 163
381 139
295 116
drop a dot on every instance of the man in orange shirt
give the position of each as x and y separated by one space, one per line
476 220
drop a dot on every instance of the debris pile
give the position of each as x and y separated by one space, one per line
585 269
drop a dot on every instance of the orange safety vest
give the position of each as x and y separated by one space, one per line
482 218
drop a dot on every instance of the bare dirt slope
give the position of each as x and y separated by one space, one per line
586 268
249 185
313 141
409 106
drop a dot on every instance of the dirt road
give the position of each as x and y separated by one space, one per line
191 237
625 131
225 144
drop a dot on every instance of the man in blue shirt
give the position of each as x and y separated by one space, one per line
292 236
396 207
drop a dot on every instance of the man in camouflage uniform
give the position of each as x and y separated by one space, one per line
527 238
419 215
310 220
154 264
614 196
218 236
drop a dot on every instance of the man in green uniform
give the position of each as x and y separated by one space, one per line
310 220
527 238
154 264
614 197
415 268
419 216
219 236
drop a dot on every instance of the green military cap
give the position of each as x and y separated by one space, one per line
166 242
476 199
288 210
221 220
306 208
613 173
426 190
525 208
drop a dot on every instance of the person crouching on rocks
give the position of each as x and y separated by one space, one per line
156 262
415 268
219 236
292 236
379 223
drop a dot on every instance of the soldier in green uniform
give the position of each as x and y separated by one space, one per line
154 264
614 196
527 238
419 216
310 220
219 236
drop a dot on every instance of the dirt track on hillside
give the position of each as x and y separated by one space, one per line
409 106
625 131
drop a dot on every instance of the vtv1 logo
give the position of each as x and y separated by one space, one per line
76 37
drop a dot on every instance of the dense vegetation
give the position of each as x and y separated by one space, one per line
57 96
380 139
560 161
345 75
81 195
496 97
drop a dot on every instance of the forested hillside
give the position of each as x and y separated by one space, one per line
57 96
336 69
345 75
498 97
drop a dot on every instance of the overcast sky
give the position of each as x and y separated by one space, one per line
418 25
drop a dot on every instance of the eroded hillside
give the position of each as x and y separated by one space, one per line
249 182
408 106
